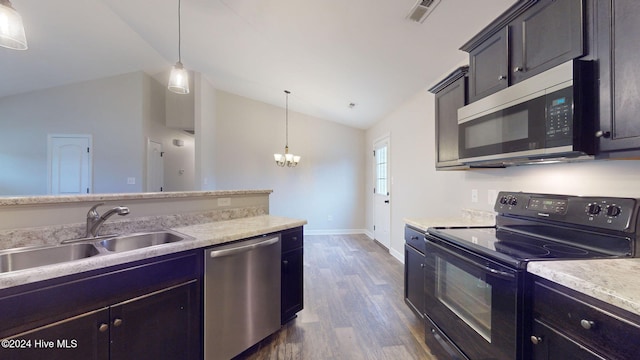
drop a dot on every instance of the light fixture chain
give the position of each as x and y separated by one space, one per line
287 119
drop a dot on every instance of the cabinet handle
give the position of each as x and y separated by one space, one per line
117 322
587 324
285 262
103 327
294 238
422 266
518 69
502 77
536 339
603 134
415 238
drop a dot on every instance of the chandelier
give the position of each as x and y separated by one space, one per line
287 159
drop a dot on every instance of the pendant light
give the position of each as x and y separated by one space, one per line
11 27
179 77
287 159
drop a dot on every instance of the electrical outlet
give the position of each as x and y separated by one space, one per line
131 181
474 195
329 217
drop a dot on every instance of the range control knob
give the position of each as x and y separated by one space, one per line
593 209
503 200
613 210
512 201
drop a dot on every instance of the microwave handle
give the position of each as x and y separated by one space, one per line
483 267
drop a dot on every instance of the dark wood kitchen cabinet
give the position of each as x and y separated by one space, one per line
489 63
414 248
530 37
292 281
618 41
570 325
450 95
144 310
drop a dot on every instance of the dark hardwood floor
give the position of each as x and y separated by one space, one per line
354 307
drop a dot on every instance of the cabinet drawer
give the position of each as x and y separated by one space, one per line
414 238
291 239
595 328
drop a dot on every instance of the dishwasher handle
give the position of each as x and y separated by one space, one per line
243 248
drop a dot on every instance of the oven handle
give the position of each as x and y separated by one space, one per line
486 268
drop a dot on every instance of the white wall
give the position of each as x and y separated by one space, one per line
205 126
419 191
329 181
109 109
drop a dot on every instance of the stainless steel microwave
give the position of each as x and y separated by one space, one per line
548 117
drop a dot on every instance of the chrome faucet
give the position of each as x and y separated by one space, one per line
95 221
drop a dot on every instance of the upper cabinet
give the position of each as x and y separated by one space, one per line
618 41
450 95
529 38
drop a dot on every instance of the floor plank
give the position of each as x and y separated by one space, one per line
354 307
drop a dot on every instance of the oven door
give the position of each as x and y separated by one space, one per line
473 303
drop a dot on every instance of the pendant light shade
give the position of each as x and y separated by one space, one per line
179 77
11 28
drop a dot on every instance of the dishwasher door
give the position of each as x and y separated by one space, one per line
241 295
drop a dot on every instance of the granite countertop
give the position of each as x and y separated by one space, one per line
467 218
614 281
207 234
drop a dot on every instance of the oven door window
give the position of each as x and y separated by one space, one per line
467 296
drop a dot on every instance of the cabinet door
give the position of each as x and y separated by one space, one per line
162 325
448 101
618 44
414 280
489 66
292 294
551 345
82 337
548 34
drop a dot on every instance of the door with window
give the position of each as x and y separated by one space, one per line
381 193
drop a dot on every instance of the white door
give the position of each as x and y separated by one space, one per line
69 164
381 205
155 166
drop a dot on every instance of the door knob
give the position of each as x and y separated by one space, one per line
117 322
386 201
103 327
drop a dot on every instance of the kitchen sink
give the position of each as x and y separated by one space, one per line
141 240
30 257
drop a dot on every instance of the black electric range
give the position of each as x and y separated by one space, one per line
476 302
551 227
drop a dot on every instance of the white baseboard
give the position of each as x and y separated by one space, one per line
397 255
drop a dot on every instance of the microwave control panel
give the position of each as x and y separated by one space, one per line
559 127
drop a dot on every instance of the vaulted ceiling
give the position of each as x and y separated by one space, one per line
328 53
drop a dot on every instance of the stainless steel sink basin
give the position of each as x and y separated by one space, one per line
26 258
141 240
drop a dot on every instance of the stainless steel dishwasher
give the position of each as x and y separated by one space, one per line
241 295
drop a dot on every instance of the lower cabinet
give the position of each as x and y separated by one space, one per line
148 311
414 271
571 325
292 293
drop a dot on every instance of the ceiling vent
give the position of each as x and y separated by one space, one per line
422 9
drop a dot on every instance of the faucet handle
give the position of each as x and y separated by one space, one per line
93 212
